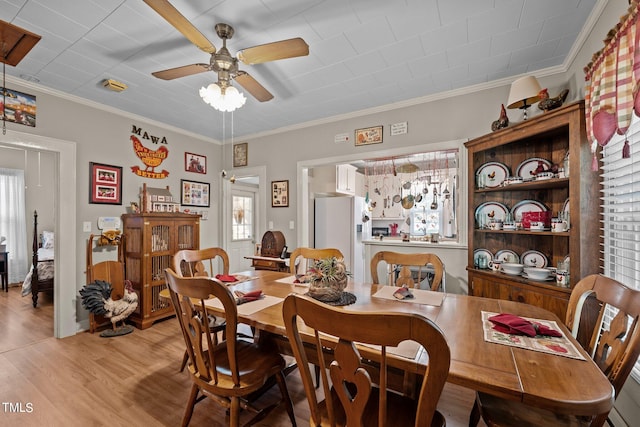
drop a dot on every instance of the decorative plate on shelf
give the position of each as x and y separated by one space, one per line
491 210
482 252
507 255
528 205
527 168
495 173
534 259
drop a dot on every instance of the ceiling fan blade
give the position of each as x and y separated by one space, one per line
182 24
274 51
252 86
185 70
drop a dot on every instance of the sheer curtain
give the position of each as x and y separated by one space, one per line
13 223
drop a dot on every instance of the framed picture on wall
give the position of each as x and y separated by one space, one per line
366 136
105 184
195 163
240 154
280 194
194 193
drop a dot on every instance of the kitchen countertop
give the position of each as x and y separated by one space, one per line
397 241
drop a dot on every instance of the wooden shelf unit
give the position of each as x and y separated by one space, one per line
151 241
549 136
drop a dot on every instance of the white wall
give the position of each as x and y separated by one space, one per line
101 136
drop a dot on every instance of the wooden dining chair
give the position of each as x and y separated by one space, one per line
399 271
201 263
610 312
356 396
229 371
311 254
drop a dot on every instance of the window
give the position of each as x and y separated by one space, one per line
621 212
242 224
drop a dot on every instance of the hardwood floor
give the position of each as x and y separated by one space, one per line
131 380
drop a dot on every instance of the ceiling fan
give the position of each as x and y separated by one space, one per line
222 62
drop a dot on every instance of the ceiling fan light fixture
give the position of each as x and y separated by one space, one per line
222 99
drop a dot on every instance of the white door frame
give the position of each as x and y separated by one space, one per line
65 321
261 202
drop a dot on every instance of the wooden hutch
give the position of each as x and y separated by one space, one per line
548 136
151 240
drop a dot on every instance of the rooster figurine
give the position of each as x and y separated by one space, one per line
548 104
502 122
96 297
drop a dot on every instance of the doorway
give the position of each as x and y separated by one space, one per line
64 318
249 185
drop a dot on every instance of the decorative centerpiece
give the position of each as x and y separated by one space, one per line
327 280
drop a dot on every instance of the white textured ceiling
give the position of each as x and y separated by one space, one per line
363 53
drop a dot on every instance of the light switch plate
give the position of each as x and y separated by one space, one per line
270 225
292 225
86 226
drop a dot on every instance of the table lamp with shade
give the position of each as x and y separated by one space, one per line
524 93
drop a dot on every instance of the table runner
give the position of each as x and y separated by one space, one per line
420 296
560 346
248 307
290 280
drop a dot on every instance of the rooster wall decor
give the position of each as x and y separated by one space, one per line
151 159
96 297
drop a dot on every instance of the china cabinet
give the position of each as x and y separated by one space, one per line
151 241
550 136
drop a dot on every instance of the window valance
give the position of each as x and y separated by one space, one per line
613 80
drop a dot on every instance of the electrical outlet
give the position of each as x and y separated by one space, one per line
292 225
270 225
86 226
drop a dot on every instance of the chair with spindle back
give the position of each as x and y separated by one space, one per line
355 397
201 263
229 371
400 272
614 345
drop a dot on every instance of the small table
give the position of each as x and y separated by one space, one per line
4 270
268 263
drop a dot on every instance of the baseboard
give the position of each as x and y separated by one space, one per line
616 419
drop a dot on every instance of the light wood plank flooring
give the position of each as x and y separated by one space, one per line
133 380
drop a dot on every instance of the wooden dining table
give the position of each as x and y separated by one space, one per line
561 384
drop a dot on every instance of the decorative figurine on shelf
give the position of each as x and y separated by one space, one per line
327 280
548 104
502 122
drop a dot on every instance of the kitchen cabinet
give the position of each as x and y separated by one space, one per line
549 136
346 179
151 240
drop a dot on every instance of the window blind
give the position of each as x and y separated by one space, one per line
620 209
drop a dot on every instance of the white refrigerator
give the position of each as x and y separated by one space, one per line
340 223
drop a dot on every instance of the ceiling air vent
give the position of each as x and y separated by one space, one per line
114 85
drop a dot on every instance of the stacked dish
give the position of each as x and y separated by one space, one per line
536 273
512 268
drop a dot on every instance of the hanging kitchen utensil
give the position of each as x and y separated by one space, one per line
434 204
407 201
418 198
406 185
